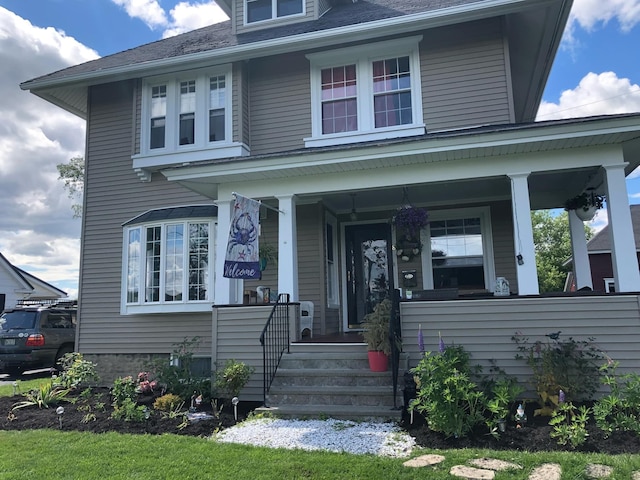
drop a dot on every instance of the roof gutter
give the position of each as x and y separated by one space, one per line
364 31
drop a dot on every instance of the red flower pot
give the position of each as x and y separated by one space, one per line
378 361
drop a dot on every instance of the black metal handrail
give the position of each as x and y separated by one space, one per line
274 340
395 338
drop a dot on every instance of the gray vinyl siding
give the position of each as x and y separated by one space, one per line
485 327
113 195
280 101
243 108
240 27
236 335
464 76
237 102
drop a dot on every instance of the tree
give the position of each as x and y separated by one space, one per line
73 175
553 248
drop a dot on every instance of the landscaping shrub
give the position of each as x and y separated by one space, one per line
74 371
620 410
569 365
450 401
233 377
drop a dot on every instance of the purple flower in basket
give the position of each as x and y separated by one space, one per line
561 396
411 219
441 346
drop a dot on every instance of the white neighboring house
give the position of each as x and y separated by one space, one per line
16 284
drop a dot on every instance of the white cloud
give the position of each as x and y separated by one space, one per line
595 95
183 17
149 11
186 16
591 13
37 232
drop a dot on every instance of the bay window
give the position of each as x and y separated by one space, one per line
365 93
167 265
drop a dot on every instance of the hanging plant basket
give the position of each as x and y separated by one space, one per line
585 205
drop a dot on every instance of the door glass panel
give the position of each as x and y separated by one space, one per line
375 272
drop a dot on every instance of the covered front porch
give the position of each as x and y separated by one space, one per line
331 209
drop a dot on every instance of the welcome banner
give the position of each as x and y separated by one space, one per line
242 259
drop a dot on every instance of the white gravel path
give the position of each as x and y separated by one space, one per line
385 439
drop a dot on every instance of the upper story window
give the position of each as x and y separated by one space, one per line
366 93
182 113
167 264
260 10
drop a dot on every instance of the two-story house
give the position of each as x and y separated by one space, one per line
334 113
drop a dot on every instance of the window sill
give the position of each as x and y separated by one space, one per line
164 158
368 136
166 308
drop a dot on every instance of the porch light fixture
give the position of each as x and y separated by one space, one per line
353 216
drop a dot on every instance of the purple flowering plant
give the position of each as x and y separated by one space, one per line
411 220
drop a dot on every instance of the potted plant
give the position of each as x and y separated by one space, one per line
585 205
409 220
266 252
376 336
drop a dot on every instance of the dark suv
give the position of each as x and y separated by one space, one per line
36 336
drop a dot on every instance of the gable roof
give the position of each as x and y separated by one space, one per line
530 32
601 241
30 284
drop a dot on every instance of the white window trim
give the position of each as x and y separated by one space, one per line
202 148
274 14
608 282
141 307
333 301
488 260
362 57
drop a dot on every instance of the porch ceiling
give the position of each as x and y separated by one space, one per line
518 145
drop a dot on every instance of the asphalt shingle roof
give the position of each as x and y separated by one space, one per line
219 35
601 242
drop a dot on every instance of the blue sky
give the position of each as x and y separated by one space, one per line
596 71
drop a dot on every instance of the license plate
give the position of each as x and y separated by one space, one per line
9 341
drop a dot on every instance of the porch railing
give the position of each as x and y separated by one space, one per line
395 338
274 340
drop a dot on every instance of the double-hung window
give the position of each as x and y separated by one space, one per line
167 265
365 93
461 250
187 117
260 10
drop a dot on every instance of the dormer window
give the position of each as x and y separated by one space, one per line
366 93
261 10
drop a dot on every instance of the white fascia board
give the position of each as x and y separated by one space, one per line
322 38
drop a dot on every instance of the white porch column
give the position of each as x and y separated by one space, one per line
287 247
523 235
581 266
227 291
623 247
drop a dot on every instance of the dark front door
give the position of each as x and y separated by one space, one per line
368 269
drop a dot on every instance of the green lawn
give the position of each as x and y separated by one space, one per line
74 455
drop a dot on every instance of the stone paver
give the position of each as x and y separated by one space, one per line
471 473
494 464
596 470
546 471
636 475
424 461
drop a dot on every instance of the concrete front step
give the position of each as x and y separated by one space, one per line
323 360
333 411
341 377
324 395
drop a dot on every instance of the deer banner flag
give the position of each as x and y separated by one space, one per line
242 259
